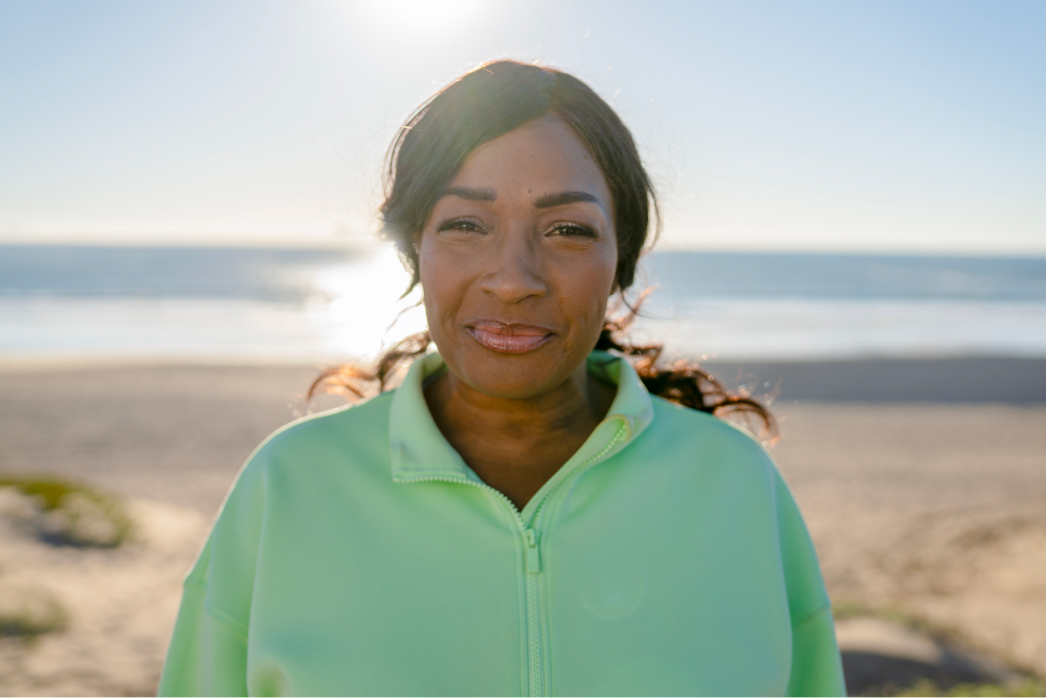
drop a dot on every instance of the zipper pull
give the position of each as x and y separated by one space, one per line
533 553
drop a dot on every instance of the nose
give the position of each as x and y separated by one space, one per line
515 272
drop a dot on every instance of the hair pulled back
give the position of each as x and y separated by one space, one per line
478 107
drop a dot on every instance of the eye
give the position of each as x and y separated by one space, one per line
574 230
465 225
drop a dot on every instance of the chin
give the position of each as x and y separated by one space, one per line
516 376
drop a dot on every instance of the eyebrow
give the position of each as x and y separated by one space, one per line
563 198
544 201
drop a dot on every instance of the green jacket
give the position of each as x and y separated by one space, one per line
358 554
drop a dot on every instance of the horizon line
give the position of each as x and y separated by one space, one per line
362 245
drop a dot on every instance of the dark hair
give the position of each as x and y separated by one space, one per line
478 107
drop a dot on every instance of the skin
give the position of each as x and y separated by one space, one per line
517 261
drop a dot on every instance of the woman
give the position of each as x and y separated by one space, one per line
521 515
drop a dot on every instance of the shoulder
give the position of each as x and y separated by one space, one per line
727 460
711 450
717 443
355 434
357 426
312 449
701 433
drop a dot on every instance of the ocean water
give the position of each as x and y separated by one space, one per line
214 304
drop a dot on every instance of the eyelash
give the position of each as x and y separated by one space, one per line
459 224
470 225
575 230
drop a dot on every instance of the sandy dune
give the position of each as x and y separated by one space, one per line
934 509
122 604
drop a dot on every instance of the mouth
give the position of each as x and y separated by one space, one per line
511 338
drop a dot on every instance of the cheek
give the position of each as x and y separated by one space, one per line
443 284
586 288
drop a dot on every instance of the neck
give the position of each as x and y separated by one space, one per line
575 400
515 445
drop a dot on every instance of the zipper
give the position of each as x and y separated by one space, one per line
534 655
533 560
532 567
532 552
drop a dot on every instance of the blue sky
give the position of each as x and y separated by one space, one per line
886 126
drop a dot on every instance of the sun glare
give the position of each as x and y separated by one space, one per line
420 17
358 305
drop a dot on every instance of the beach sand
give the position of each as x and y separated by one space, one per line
930 507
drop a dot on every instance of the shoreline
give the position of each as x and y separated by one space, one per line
949 379
971 379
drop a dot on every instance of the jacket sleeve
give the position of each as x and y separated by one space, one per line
817 668
207 655
208 651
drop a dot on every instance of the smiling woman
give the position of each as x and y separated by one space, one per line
517 263
528 512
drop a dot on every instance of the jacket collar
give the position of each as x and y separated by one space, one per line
420 451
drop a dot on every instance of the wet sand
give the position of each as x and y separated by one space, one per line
927 499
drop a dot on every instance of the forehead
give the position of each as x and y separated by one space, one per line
541 156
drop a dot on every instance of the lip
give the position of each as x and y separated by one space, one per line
509 337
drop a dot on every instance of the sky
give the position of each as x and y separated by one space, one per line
816 126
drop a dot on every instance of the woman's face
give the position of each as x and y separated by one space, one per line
517 261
